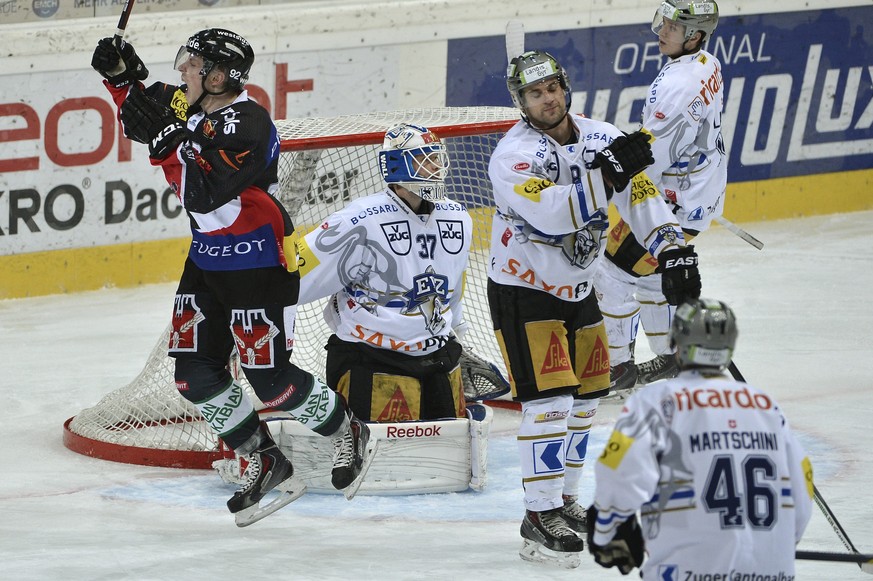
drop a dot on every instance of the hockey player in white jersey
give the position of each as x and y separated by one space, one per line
393 266
683 112
723 487
554 174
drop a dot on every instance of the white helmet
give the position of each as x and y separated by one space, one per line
704 334
694 15
413 157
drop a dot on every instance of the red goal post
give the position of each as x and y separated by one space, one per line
324 163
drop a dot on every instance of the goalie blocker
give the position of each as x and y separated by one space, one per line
422 457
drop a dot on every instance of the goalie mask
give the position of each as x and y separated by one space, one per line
704 333
531 68
414 158
220 47
694 15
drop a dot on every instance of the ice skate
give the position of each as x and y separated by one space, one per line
623 376
575 515
353 453
267 469
661 367
549 539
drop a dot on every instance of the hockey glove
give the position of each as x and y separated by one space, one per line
119 64
625 157
147 121
680 279
626 548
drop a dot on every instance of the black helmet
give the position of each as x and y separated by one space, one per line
217 46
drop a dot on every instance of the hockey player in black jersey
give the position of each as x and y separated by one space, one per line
219 151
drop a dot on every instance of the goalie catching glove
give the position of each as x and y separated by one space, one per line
680 279
625 157
119 64
626 549
147 121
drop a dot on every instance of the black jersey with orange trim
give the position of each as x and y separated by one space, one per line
225 175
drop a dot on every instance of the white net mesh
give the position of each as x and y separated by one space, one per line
325 162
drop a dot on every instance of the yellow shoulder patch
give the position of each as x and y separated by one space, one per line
179 105
642 188
306 259
532 187
615 449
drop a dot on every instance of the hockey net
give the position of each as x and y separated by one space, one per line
325 163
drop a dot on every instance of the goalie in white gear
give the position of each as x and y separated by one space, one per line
553 175
723 487
683 112
393 266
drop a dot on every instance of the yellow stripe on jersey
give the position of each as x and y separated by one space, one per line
532 187
615 449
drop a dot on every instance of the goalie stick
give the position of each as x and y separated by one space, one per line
817 497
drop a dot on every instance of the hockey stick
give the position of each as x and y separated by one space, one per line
740 232
819 499
122 21
514 39
864 561
835 524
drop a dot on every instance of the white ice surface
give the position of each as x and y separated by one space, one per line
805 315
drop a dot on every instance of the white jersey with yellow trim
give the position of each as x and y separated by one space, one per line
683 112
395 277
723 487
551 219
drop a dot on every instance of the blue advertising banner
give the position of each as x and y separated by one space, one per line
798 85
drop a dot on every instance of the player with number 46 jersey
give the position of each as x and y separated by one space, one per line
723 487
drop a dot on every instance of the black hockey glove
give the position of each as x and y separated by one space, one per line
120 64
624 158
147 121
626 548
680 279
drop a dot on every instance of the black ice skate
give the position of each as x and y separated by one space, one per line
549 539
623 376
661 367
575 515
353 453
267 469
